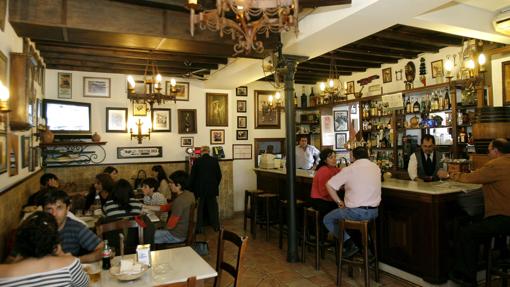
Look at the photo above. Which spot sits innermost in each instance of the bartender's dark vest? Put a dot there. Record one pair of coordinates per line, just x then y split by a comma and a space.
423, 169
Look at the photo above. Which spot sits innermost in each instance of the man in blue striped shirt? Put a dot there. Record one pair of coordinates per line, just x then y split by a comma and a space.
75, 238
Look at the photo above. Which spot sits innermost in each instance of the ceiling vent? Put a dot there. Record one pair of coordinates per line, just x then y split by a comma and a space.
501, 22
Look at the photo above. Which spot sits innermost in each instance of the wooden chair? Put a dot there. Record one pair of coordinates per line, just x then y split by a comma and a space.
189, 283
190, 238
121, 226
234, 271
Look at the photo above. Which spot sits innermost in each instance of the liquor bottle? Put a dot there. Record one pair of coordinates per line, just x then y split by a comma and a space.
107, 252
304, 100
435, 102
441, 102
447, 101
313, 100
408, 105
416, 107
462, 135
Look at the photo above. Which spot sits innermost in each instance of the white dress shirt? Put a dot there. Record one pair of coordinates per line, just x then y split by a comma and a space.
305, 158
412, 167
362, 180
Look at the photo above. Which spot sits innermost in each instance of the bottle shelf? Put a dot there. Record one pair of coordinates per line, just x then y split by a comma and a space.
376, 117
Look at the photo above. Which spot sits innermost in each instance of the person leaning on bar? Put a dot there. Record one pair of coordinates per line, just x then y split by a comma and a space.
425, 163
307, 156
495, 181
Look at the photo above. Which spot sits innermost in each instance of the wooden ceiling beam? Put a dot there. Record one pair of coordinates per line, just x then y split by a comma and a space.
363, 59
370, 52
396, 45
113, 70
77, 64
343, 64
326, 69
417, 38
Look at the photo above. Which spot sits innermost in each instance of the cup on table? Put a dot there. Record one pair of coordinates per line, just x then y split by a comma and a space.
94, 272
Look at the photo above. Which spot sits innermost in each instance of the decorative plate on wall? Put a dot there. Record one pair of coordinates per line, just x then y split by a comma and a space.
410, 69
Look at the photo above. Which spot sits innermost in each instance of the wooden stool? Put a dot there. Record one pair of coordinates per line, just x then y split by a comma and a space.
265, 200
282, 227
366, 238
498, 266
249, 210
314, 239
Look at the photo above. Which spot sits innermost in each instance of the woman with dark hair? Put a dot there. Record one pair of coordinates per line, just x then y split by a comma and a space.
112, 171
41, 261
102, 187
159, 173
121, 201
320, 199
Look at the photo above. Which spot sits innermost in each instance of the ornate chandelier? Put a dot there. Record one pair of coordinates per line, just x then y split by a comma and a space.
150, 93
331, 90
244, 19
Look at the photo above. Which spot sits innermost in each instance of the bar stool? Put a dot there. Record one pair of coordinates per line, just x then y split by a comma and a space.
314, 238
249, 210
498, 263
267, 202
367, 239
282, 216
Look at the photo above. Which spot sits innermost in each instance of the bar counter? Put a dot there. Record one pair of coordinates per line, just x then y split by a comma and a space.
417, 223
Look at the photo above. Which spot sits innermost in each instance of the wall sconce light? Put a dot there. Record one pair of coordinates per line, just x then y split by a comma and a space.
139, 136
448, 67
4, 98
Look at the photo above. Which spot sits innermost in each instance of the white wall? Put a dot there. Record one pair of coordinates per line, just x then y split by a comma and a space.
497, 81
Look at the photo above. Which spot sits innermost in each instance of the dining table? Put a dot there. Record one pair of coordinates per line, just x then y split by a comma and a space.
167, 266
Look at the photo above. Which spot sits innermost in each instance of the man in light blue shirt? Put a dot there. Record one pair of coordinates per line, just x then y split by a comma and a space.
307, 156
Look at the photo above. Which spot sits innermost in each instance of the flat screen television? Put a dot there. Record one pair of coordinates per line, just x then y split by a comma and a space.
65, 117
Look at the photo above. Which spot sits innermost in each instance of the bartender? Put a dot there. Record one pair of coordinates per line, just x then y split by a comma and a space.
425, 164
307, 156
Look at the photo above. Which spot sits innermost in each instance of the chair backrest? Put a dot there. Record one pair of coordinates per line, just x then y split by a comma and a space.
121, 227
190, 238
234, 271
189, 283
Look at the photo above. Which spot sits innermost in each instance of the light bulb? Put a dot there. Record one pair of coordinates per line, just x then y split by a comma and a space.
158, 78
448, 65
192, 2
131, 81
482, 59
172, 82
470, 64
277, 96
331, 83
270, 99
322, 86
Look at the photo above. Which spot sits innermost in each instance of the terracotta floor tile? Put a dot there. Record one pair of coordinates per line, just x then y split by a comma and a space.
302, 283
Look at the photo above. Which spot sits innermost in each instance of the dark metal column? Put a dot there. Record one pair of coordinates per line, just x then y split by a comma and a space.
290, 133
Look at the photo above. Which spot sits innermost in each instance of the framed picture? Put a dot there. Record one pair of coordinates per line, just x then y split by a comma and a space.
437, 68
340, 140
187, 121
65, 84
217, 136
265, 118
3, 153
116, 120
161, 120
354, 109
242, 151
350, 87
386, 75
505, 80
242, 122
96, 87
341, 119
25, 151
242, 135
139, 152
181, 90
13, 153
139, 109
398, 75
216, 110
242, 91
241, 106
186, 141
3, 13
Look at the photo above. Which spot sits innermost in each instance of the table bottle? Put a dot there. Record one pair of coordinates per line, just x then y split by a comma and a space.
107, 252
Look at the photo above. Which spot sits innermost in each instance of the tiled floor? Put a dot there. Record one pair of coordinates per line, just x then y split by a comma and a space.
265, 264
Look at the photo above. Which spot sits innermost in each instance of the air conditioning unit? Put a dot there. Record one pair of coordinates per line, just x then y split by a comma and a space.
501, 22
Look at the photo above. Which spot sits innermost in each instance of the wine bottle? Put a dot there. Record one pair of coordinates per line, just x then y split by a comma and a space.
304, 100
416, 106
313, 100
441, 102
435, 102
447, 101
408, 105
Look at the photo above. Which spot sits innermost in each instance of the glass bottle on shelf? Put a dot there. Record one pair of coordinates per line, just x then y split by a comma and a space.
313, 100
441, 101
462, 135
304, 100
435, 102
408, 105
416, 107
446, 101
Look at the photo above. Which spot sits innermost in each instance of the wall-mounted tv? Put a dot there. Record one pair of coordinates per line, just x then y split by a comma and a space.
65, 117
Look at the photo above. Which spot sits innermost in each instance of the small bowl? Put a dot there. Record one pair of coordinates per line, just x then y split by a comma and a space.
115, 272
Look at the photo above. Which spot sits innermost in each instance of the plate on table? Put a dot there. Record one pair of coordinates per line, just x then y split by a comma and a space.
115, 272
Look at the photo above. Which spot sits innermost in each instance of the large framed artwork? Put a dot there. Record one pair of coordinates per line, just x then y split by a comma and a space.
340, 140
506, 82
187, 121
341, 120
161, 120
216, 110
65, 85
116, 120
265, 118
181, 90
96, 87
25, 151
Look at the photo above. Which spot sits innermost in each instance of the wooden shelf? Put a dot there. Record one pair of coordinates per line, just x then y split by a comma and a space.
70, 143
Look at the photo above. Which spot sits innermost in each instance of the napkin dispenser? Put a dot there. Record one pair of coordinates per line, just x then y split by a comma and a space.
267, 161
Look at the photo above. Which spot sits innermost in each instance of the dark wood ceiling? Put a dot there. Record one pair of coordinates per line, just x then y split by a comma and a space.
121, 35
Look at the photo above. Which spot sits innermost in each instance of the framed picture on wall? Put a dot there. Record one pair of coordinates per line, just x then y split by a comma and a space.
25, 151
386, 75
350, 88
186, 141
3, 153
242, 135
340, 140
265, 117
139, 109
341, 118
216, 114
437, 68
116, 120
242, 122
242, 91
217, 136
505, 80
187, 121
65, 84
181, 90
161, 120
241, 106
96, 87
13, 153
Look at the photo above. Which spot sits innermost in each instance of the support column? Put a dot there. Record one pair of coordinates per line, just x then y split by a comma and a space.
290, 134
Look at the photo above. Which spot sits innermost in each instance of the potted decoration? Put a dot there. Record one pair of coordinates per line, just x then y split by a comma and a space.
423, 71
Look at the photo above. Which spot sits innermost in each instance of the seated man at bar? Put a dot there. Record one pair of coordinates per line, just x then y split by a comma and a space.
307, 156
425, 163
362, 183
75, 238
495, 181
46, 181
176, 228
